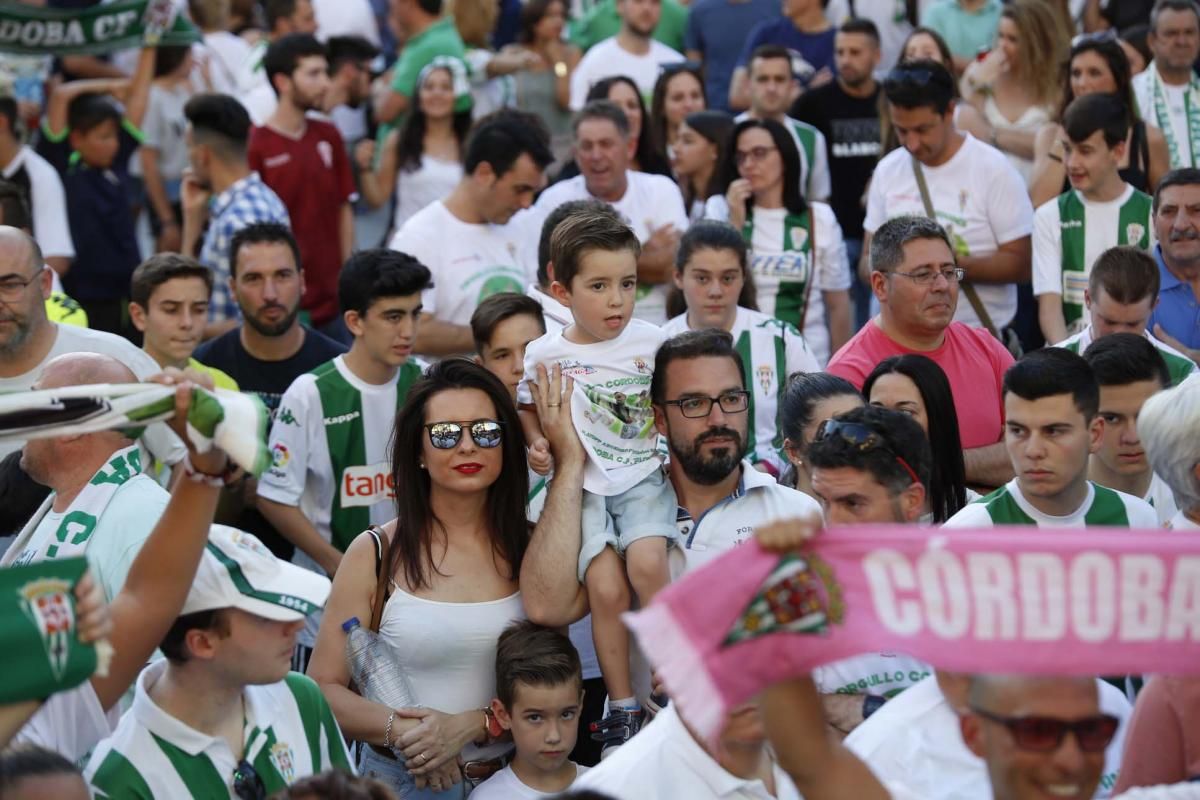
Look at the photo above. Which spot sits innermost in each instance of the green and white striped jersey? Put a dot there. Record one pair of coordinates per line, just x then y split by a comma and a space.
1179, 365
771, 350
815, 181
1103, 506
290, 733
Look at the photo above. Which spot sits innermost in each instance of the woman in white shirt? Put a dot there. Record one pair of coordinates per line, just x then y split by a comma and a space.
798, 257
421, 161
700, 143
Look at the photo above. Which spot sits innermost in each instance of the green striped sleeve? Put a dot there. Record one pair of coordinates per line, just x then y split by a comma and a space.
117, 777
318, 718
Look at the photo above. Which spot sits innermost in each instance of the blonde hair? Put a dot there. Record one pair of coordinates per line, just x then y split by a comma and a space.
474, 19
1042, 46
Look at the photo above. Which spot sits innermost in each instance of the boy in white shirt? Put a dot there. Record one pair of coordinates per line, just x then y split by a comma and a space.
629, 507
539, 693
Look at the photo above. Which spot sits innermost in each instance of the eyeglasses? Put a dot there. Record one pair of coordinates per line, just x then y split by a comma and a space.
919, 75
755, 154
247, 784
924, 277
445, 435
1106, 35
700, 406
862, 438
12, 288
1046, 734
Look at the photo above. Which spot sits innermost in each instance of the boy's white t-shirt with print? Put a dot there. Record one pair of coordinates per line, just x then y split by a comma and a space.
978, 197
611, 405
505, 785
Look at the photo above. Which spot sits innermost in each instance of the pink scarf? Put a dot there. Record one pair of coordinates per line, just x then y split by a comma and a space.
1001, 600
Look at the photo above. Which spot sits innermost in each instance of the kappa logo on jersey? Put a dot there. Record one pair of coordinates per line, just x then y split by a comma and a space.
766, 376
283, 759
340, 418
1134, 232
280, 455
47, 605
286, 417
367, 485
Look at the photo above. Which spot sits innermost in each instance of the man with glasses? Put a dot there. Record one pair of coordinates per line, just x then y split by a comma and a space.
1168, 90
968, 186
221, 715
1052, 426
330, 476
915, 278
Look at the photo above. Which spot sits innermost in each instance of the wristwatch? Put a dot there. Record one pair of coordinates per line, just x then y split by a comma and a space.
871, 704
560, 69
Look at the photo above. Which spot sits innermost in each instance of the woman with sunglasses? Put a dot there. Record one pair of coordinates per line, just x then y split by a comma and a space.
714, 289
798, 258
679, 91
915, 385
453, 553
809, 399
1098, 64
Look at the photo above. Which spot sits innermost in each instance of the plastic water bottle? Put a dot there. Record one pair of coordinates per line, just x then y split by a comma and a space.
376, 672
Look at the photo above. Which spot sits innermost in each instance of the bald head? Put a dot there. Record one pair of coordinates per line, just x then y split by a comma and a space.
82, 369
1013, 692
19, 250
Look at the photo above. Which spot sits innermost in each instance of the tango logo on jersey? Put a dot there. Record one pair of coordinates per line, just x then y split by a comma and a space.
367, 485
47, 605
766, 375
284, 761
280, 455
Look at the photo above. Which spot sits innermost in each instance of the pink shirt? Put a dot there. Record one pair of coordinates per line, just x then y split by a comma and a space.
1162, 744
974, 363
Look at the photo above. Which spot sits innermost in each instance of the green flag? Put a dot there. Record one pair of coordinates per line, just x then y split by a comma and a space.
122, 25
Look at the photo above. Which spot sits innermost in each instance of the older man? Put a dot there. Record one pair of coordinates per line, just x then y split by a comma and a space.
1168, 88
1169, 426
915, 277
1176, 318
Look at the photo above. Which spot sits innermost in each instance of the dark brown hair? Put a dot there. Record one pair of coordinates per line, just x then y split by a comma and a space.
536, 656
1126, 274
499, 307
160, 268
584, 231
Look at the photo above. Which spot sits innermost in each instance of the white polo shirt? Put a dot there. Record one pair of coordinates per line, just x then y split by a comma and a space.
914, 739
70, 723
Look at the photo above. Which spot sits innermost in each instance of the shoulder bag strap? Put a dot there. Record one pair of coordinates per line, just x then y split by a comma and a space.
382, 579
968, 289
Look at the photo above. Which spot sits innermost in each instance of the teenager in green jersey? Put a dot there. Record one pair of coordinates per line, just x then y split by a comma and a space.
221, 715
1130, 371
1052, 426
1122, 293
330, 478
1100, 211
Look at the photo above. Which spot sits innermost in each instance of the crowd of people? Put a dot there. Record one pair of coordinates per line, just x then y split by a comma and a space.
551, 303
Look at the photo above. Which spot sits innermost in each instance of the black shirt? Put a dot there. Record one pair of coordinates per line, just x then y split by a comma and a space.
851, 129
269, 380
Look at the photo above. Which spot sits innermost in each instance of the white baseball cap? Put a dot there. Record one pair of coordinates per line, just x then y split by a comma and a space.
238, 571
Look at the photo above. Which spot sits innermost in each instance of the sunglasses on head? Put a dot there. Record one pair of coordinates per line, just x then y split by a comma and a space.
918, 75
247, 784
861, 437
445, 435
1046, 734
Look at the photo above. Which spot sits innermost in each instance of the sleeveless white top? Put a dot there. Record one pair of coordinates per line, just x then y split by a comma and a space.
448, 651
1034, 118
433, 180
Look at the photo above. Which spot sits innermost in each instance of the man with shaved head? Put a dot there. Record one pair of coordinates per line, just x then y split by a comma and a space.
101, 503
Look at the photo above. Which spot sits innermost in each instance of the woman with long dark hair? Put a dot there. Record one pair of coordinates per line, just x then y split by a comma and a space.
809, 399
700, 145
623, 92
798, 257
679, 91
422, 160
1098, 66
714, 289
915, 385
454, 551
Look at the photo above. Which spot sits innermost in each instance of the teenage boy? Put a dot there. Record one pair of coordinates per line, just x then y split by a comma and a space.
1122, 293
1100, 211
1051, 407
88, 139
330, 476
1130, 370
168, 304
503, 325
628, 505
221, 715
539, 694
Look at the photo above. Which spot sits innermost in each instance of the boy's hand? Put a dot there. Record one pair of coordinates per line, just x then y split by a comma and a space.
540, 459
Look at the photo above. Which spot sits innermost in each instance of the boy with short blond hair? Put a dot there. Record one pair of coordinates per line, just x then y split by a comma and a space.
629, 507
539, 694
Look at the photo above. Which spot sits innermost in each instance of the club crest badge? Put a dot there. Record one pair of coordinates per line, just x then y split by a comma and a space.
47, 603
801, 595
766, 375
799, 237
1134, 232
284, 761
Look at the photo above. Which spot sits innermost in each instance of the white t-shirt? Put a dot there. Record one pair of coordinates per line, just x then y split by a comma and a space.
70, 723
914, 739
226, 55
881, 674
1101, 232
434, 180
1160, 496
1102, 506
775, 268
1173, 96
346, 18
469, 262
649, 202
47, 201
505, 785
978, 196
607, 58
611, 405
771, 351
557, 315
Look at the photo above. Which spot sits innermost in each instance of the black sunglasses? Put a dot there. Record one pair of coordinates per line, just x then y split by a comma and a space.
919, 76
1046, 734
247, 784
445, 435
863, 438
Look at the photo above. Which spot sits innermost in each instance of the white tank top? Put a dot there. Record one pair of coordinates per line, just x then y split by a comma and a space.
433, 180
448, 651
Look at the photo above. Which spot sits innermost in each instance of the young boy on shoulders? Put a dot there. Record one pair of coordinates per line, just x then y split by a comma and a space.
539, 688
